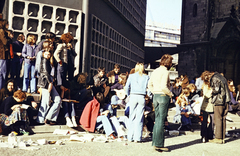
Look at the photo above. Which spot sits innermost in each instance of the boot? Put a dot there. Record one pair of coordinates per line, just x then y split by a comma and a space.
69, 122
74, 121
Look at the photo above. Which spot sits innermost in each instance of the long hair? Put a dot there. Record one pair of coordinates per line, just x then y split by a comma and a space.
66, 38
14, 85
100, 98
166, 61
177, 80
19, 94
3, 24
192, 86
139, 67
181, 98
47, 47
31, 39
82, 78
205, 76
20, 37
123, 76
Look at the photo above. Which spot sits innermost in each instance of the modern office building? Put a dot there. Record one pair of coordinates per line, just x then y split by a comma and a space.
105, 32
159, 40
161, 35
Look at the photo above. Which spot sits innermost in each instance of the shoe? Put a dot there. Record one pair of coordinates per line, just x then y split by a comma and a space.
162, 149
112, 136
69, 122
22, 131
180, 127
135, 141
188, 127
52, 123
217, 141
229, 119
83, 128
203, 140
74, 122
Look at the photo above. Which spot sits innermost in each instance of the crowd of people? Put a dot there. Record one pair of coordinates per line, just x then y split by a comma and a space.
48, 70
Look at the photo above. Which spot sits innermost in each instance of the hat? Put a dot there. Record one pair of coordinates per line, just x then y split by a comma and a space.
120, 93
114, 100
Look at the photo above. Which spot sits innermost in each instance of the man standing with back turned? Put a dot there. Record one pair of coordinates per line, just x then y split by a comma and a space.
159, 85
220, 98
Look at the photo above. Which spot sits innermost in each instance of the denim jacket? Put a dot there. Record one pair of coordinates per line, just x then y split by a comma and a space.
136, 84
28, 50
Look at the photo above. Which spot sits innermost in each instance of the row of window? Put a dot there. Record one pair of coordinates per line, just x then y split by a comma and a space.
45, 26
134, 11
158, 44
47, 12
109, 46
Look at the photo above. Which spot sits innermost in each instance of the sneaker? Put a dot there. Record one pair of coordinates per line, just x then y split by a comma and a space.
162, 149
180, 127
112, 136
203, 140
22, 131
135, 141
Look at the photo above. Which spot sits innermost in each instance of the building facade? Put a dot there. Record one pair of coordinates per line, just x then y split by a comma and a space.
161, 35
210, 35
105, 32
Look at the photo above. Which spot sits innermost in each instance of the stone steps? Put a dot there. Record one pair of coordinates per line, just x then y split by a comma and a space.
46, 132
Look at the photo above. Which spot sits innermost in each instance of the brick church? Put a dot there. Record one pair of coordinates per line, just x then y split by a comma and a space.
210, 37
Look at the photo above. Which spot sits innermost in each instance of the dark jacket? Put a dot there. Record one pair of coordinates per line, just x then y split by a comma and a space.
220, 91
176, 91
17, 48
45, 70
7, 104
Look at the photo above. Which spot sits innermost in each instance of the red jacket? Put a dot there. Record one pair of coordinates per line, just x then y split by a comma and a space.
89, 115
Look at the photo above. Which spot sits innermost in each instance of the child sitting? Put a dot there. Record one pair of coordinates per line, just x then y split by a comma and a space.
183, 110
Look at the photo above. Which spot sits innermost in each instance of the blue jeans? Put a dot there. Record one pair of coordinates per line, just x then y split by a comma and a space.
61, 74
27, 69
116, 122
3, 72
45, 111
68, 108
136, 110
106, 124
160, 102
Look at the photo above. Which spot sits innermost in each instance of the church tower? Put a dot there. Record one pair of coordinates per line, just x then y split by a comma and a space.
210, 33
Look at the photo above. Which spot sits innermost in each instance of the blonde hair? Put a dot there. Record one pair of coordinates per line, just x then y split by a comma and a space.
181, 98
192, 86
31, 39
139, 68
123, 76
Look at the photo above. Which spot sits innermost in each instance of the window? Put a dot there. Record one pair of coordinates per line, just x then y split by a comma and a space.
195, 10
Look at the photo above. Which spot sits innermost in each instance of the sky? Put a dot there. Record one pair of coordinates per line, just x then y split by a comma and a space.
164, 11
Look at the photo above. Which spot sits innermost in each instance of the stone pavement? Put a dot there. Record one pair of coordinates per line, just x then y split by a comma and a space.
186, 143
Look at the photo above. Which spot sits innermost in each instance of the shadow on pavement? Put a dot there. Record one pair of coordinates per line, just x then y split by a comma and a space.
186, 144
